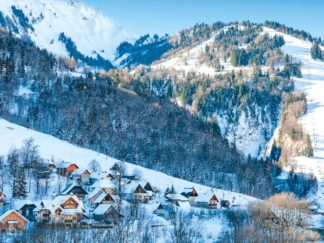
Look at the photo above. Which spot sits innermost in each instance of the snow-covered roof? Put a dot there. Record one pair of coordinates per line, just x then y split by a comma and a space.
56, 203
103, 183
167, 207
63, 165
12, 211
79, 171
95, 192
204, 197
69, 187
131, 187
18, 203
176, 197
101, 197
104, 208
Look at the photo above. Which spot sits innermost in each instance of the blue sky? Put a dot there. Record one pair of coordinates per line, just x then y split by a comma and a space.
168, 16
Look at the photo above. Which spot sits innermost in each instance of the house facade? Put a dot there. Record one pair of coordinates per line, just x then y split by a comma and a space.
166, 211
66, 169
107, 214
12, 221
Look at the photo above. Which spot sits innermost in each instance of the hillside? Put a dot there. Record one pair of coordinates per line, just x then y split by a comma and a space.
312, 83
53, 150
95, 112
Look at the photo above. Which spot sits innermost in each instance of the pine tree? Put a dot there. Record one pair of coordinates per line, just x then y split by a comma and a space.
316, 52
19, 186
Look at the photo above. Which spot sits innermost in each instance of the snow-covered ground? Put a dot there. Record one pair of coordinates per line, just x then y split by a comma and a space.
50, 148
312, 84
92, 32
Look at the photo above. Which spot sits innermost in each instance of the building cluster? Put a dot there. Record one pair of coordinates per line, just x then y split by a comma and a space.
95, 198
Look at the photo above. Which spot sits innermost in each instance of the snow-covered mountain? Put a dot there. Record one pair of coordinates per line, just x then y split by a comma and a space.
64, 27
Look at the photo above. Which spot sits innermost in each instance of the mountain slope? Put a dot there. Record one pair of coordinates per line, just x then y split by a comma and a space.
94, 112
312, 83
92, 34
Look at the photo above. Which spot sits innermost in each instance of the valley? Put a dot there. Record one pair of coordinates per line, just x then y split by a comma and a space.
210, 134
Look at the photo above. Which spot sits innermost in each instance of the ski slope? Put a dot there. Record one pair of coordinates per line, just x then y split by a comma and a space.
312, 84
12, 136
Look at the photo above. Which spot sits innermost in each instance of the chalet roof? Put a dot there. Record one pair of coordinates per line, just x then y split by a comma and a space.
187, 192
176, 197
102, 196
95, 192
70, 186
168, 207
204, 197
146, 185
106, 209
2, 217
99, 175
80, 172
103, 183
19, 204
56, 203
131, 187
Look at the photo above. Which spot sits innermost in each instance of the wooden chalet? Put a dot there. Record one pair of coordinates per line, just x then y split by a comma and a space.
63, 210
166, 211
149, 189
66, 169
176, 199
105, 184
81, 175
12, 221
191, 194
107, 213
135, 192
208, 200
26, 209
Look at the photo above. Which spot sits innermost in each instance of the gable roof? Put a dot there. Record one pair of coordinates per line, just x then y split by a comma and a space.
106, 209
80, 172
176, 197
56, 203
70, 187
133, 187
190, 192
102, 196
206, 197
167, 207
103, 183
19, 204
2, 217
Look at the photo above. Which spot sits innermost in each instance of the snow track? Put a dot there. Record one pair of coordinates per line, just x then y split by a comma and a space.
312, 84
